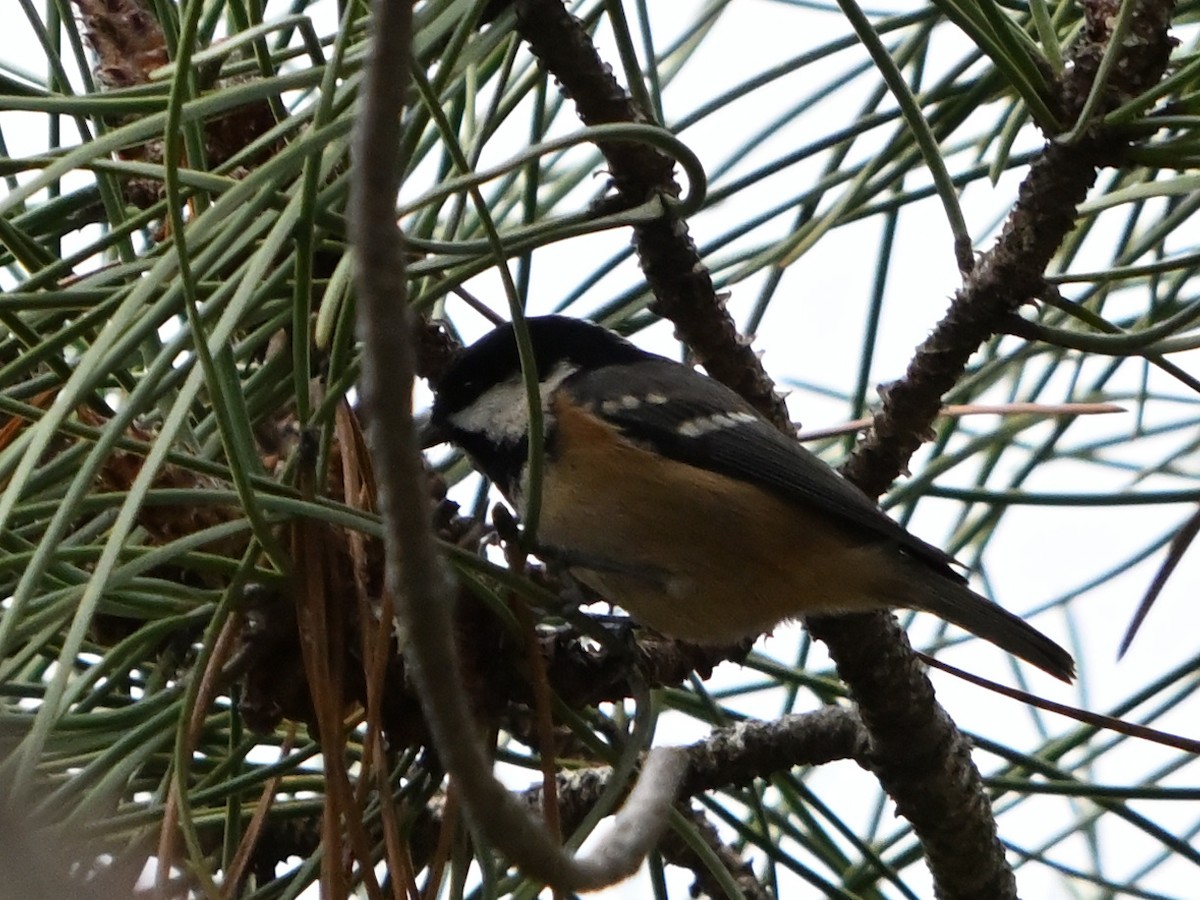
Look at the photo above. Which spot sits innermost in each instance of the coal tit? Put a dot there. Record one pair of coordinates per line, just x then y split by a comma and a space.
671, 496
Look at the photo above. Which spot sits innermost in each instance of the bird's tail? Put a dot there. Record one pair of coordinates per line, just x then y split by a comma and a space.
953, 601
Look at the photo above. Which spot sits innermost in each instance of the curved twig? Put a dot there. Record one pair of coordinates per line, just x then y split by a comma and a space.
416, 575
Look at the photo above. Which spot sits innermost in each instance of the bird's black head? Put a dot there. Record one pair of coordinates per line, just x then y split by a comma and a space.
481, 403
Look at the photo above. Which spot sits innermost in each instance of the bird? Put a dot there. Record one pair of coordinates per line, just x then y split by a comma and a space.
668, 494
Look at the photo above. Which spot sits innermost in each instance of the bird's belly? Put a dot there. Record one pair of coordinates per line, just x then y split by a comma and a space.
708, 597
696, 555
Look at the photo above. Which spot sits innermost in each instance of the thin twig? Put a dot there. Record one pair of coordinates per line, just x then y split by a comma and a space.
679, 279
958, 411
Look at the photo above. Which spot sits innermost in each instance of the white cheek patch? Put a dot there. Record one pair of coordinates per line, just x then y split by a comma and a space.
502, 413
702, 425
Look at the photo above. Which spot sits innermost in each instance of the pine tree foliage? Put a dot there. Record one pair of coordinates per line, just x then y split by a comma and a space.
959, 239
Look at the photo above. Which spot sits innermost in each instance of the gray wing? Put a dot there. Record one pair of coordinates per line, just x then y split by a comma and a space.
685, 416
